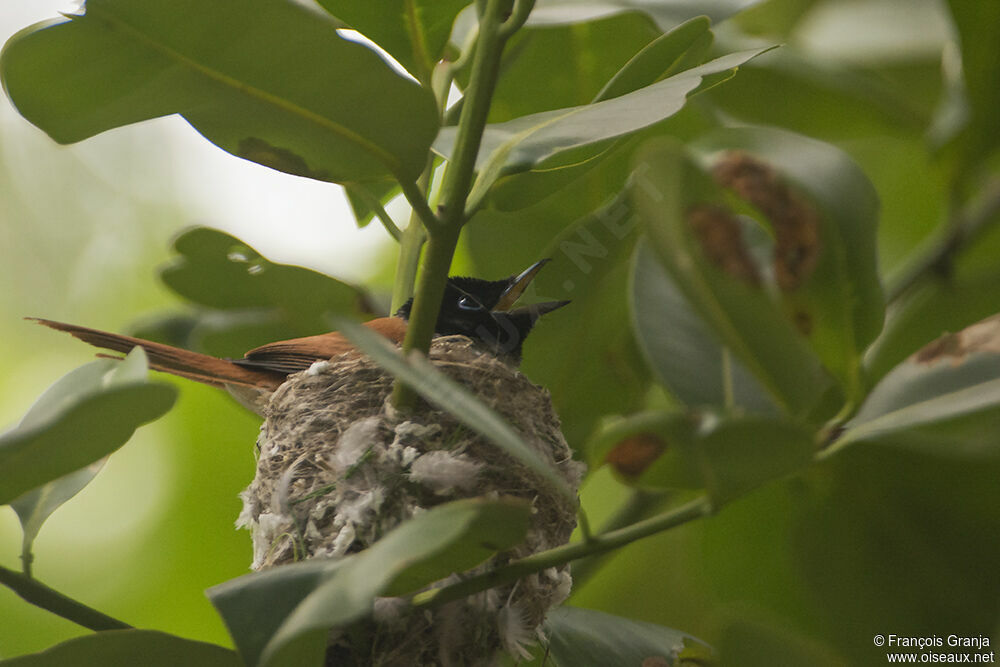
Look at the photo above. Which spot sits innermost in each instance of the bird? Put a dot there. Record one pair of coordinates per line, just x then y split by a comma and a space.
480, 309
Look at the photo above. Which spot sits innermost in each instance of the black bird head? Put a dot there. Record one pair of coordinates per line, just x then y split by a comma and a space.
482, 310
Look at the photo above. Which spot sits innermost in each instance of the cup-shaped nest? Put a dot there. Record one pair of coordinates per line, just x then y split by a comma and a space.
338, 468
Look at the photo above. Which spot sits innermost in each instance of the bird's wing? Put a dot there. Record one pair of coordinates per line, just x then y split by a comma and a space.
298, 354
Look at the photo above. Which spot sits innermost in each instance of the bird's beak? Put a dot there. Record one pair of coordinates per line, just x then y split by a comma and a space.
518, 285
536, 310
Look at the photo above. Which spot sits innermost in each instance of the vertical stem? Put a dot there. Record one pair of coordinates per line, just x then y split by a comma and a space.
443, 237
475, 110
410, 246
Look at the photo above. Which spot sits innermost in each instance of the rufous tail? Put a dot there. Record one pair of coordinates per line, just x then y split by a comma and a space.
174, 360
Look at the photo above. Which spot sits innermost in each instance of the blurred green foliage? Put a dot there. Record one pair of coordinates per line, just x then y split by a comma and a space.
894, 529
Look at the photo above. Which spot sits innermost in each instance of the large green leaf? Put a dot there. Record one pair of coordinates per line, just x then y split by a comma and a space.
755, 644
682, 351
876, 519
35, 506
267, 80
586, 354
944, 400
447, 394
85, 416
588, 229
924, 313
738, 311
255, 605
535, 62
981, 69
681, 48
730, 456
585, 638
667, 13
220, 271
825, 99
148, 648
838, 303
447, 539
528, 141
414, 32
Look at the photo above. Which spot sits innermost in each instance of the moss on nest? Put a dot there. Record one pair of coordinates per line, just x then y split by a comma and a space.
338, 468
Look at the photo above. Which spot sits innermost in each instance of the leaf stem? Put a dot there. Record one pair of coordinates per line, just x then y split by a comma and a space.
966, 226
695, 509
387, 222
410, 245
40, 595
418, 202
636, 506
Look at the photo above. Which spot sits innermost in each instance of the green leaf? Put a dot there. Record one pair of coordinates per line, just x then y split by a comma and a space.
740, 313
148, 648
732, 455
751, 643
682, 351
612, 431
528, 141
585, 638
446, 394
666, 13
839, 301
446, 539
872, 521
362, 195
343, 115
602, 372
535, 62
414, 32
924, 313
255, 605
588, 229
678, 50
220, 271
36, 506
981, 70
826, 99
87, 415
683, 47
944, 400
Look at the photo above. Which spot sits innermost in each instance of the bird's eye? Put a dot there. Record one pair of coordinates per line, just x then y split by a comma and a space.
468, 303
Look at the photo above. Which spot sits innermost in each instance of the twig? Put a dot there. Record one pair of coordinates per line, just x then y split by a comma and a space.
690, 511
40, 595
380, 212
636, 507
966, 226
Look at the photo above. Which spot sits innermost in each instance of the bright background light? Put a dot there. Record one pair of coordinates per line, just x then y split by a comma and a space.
287, 218
83, 230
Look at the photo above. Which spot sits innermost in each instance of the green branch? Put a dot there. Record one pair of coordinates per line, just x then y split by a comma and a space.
965, 227
418, 203
636, 507
40, 595
444, 230
696, 509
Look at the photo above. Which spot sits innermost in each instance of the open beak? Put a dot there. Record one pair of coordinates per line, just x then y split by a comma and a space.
517, 287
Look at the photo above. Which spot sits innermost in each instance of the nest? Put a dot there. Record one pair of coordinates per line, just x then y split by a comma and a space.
338, 468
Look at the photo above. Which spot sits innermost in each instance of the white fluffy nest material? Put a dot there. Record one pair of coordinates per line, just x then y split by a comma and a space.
338, 469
